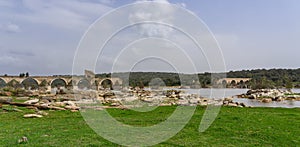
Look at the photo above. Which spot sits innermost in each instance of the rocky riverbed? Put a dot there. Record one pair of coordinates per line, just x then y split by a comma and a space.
74, 100
269, 95
77, 99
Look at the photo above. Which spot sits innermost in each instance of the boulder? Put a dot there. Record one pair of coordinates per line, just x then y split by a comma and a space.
242, 104
203, 103
56, 108
249, 92
165, 104
266, 100
5, 93
114, 104
33, 101
59, 104
22, 98
44, 101
204, 99
5, 99
229, 99
69, 103
23, 140
72, 107
225, 102
183, 102
32, 116
193, 101
292, 97
173, 96
44, 105
252, 96
74, 110
278, 99
232, 105
42, 113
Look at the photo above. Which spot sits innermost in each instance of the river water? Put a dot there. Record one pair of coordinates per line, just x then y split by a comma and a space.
221, 93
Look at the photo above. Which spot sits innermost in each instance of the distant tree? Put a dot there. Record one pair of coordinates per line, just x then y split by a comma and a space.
272, 78
27, 74
288, 82
264, 83
141, 85
253, 84
21, 75
289, 85
279, 83
247, 84
5, 75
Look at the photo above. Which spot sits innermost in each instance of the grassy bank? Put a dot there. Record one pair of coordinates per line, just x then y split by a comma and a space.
233, 127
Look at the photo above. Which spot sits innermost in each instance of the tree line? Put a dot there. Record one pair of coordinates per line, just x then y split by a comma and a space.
260, 78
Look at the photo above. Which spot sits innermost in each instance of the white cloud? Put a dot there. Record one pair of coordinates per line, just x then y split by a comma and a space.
63, 14
10, 27
48, 33
157, 13
107, 2
5, 59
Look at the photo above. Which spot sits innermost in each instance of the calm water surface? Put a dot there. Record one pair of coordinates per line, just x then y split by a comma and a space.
221, 93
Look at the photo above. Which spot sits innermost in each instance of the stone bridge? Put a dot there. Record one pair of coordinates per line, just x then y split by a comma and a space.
48, 82
235, 80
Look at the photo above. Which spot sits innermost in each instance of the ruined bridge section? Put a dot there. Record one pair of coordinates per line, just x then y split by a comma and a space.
234, 80
81, 82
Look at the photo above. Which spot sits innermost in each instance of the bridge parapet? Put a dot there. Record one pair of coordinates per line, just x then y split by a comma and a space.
68, 80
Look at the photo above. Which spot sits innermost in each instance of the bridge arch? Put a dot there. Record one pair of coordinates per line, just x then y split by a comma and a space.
236, 80
233, 82
30, 83
58, 82
84, 84
224, 82
106, 83
2, 83
14, 83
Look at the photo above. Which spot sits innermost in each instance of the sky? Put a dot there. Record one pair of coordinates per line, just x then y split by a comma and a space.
41, 36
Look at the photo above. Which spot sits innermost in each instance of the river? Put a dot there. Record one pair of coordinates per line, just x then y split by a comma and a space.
221, 93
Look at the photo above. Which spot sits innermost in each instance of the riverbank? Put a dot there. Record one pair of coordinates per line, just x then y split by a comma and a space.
232, 127
74, 99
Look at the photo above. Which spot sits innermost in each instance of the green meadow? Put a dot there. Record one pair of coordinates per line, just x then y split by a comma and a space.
232, 127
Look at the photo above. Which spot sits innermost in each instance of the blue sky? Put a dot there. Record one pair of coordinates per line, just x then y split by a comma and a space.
41, 36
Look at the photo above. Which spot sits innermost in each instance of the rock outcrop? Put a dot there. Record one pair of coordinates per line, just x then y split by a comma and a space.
273, 94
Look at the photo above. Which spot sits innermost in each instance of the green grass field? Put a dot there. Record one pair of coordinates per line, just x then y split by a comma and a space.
233, 127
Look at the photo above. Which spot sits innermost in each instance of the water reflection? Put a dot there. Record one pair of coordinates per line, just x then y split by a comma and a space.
255, 103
